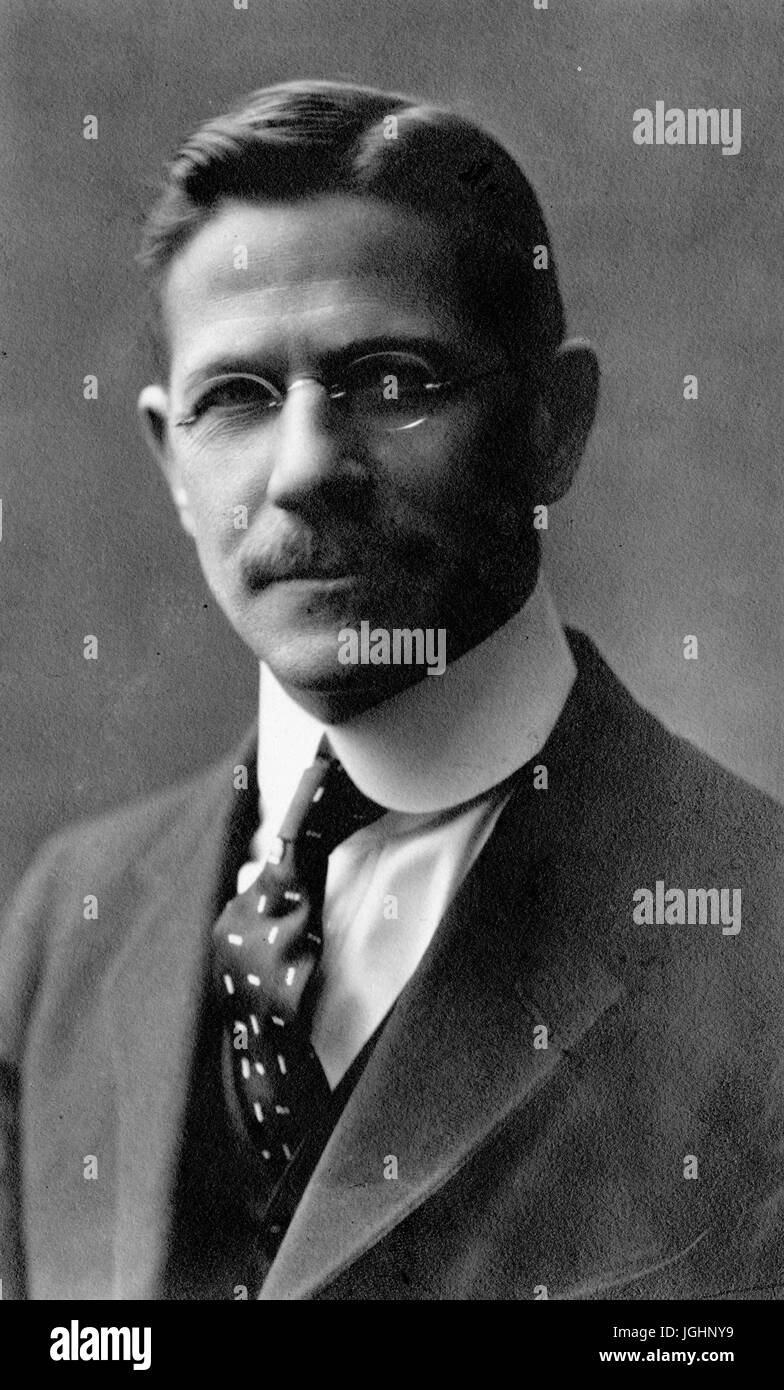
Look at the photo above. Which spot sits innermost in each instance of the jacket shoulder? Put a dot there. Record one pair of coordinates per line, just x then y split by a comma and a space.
127, 833
119, 857
653, 776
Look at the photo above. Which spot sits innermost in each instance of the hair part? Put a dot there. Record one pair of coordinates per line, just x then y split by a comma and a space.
300, 139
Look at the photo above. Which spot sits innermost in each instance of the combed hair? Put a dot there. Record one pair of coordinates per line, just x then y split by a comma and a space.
299, 139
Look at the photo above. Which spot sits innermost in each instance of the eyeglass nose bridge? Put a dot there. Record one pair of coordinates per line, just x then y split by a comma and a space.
333, 392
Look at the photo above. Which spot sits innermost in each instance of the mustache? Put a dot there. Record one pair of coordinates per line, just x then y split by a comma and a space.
300, 553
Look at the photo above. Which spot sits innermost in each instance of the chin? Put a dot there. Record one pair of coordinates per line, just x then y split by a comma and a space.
332, 691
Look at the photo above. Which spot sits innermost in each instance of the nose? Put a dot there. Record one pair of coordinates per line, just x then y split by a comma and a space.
314, 455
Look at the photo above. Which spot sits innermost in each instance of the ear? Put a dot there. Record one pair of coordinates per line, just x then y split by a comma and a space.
153, 409
563, 417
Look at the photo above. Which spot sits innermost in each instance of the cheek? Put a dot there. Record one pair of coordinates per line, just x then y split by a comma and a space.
466, 478
221, 508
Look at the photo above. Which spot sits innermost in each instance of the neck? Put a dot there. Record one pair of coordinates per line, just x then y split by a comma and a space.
372, 685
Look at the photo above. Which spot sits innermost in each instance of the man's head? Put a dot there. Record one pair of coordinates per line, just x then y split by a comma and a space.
364, 386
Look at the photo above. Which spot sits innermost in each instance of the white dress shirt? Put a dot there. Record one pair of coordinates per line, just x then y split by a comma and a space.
435, 754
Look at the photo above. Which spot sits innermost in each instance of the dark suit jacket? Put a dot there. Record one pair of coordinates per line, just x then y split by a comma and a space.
522, 1171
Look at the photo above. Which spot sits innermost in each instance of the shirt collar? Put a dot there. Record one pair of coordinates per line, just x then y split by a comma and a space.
443, 741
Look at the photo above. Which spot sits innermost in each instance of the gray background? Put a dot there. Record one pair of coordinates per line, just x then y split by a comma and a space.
669, 260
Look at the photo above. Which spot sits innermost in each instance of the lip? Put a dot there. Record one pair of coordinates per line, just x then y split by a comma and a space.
328, 581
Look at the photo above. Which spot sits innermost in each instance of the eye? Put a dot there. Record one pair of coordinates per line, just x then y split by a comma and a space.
237, 395
388, 385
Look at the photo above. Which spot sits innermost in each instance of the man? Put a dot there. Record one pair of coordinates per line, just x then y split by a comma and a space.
486, 1001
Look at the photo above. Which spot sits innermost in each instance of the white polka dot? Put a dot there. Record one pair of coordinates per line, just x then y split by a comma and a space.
229, 983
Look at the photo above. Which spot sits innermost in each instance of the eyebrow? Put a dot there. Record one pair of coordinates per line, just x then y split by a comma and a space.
427, 345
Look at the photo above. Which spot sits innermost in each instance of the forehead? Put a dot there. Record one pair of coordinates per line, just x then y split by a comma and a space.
315, 275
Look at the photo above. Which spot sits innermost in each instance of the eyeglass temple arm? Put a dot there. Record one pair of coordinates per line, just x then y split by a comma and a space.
497, 371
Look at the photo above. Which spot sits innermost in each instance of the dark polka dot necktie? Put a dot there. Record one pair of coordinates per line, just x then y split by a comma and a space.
266, 950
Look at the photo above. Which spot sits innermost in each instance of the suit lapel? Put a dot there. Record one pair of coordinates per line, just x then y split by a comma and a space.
151, 1008
457, 1055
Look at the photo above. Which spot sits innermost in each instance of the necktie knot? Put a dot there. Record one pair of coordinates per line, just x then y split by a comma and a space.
327, 807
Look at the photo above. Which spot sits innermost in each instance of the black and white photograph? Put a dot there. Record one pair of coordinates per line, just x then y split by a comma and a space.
392, 777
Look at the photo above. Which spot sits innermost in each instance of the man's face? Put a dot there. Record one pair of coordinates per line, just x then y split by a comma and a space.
312, 517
